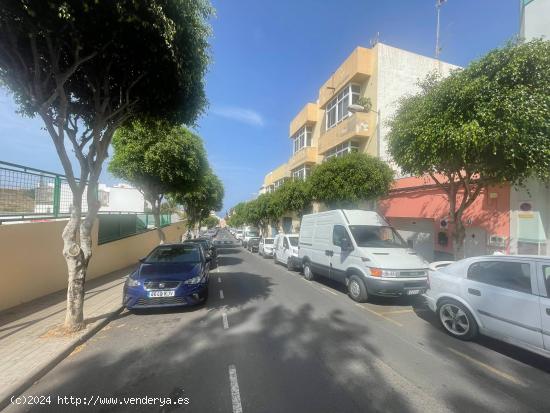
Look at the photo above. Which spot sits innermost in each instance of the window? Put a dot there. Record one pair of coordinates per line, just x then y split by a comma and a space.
338, 234
337, 107
285, 243
510, 275
302, 138
377, 236
301, 173
103, 197
174, 253
342, 149
293, 241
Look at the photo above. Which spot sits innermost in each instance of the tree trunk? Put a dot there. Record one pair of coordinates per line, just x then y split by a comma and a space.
458, 237
156, 214
76, 267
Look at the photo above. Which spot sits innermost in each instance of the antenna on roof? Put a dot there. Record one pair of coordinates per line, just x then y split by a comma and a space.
374, 42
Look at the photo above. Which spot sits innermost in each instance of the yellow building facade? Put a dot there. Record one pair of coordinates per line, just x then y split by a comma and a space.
327, 127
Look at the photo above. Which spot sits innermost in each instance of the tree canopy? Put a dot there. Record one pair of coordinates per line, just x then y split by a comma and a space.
206, 197
347, 180
484, 125
293, 195
86, 67
158, 158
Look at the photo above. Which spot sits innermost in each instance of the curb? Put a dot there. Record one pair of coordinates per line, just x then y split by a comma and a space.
28, 381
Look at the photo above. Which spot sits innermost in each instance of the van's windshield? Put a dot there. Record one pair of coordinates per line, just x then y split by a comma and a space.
377, 236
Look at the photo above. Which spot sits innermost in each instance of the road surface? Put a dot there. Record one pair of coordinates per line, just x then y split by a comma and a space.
269, 341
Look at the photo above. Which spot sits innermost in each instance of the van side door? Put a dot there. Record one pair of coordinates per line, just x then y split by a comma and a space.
285, 253
339, 257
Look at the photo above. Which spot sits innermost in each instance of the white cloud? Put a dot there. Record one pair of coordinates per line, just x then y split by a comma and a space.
239, 114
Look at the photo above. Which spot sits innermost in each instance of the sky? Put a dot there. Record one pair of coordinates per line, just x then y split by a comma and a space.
269, 58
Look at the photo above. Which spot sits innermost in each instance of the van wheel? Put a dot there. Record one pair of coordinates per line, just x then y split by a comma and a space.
308, 274
357, 290
457, 320
289, 265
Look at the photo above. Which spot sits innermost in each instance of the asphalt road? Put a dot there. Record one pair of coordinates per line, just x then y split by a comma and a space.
269, 341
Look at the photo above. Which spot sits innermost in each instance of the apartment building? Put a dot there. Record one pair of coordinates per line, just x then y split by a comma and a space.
327, 128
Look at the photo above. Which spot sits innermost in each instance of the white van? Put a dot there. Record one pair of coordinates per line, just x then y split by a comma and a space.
361, 250
285, 250
249, 232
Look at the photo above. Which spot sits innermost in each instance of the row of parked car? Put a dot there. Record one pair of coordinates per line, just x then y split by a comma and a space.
506, 297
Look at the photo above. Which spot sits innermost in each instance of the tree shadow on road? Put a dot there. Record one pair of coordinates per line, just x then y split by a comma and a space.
287, 361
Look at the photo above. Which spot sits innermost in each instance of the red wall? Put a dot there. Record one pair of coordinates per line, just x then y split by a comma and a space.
418, 198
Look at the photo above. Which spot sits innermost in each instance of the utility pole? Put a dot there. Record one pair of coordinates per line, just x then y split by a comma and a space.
438, 4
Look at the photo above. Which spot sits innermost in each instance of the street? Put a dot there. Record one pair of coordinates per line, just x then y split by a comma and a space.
267, 340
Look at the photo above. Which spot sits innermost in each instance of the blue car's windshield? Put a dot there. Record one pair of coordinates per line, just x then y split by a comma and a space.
174, 253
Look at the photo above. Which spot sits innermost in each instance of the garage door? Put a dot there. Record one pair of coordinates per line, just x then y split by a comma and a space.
419, 233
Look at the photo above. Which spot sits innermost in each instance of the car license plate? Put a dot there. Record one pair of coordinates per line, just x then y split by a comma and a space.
413, 292
161, 294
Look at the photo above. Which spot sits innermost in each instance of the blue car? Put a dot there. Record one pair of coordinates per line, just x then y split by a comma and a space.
171, 275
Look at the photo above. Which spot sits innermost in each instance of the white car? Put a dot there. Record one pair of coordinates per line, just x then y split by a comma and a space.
266, 247
505, 297
239, 234
285, 250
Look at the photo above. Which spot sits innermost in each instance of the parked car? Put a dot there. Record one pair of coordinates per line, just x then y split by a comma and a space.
253, 243
239, 234
285, 250
361, 250
505, 297
249, 232
265, 248
171, 275
209, 249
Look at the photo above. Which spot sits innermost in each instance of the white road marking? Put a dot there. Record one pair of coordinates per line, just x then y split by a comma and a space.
221, 294
235, 394
219, 279
225, 322
326, 289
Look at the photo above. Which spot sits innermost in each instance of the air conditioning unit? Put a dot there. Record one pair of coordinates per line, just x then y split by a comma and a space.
497, 241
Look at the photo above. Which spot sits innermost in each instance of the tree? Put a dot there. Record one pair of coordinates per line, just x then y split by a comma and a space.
211, 221
293, 195
207, 197
345, 181
484, 125
158, 158
86, 67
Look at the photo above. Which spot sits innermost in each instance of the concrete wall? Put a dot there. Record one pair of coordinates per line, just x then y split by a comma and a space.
398, 72
536, 19
33, 265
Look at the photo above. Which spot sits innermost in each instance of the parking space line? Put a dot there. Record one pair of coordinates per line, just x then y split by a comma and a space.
327, 290
408, 310
235, 394
224, 321
221, 294
379, 315
487, 367
219, 279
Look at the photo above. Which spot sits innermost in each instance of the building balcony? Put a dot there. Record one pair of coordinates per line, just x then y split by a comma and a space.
307, 116
359, 125
304, 155
278, 173
357, 68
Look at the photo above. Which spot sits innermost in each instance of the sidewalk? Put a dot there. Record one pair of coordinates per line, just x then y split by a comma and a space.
29, 342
